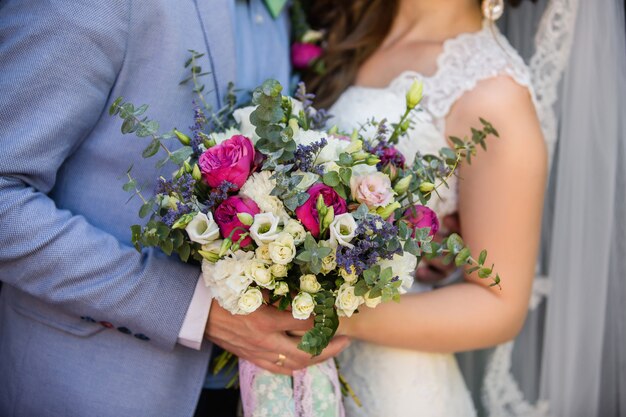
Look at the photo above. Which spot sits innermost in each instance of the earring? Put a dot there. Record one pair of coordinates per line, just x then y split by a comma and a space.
493, 9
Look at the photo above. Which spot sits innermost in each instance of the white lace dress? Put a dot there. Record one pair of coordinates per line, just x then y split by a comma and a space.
397, 382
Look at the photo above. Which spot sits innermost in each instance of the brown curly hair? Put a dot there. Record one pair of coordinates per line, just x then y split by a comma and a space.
354, 30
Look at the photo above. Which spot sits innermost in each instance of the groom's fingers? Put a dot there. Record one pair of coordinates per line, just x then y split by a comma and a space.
284, 321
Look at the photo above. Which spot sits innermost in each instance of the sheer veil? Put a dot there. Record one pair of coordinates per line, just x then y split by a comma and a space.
569, 359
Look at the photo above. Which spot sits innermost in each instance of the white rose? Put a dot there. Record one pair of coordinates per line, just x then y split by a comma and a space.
259, 272
347, 302
264, 229
258, 188
332, 150
227, 279
281, 288
329, 263
308, 179
403, 266
302, 306
283, 249
279, 271
222, 136
242, 117
263, 253
203, 229
343, 230
307, 137
349, 276
308, 283
372, 302
296, 230
250, 301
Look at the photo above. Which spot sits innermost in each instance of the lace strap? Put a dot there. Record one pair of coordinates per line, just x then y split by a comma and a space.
467, 60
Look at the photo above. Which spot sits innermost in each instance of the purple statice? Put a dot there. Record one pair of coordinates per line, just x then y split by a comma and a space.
182, 187
219, 194
317, 118
172, 215
305, 155
199, 123
372, 234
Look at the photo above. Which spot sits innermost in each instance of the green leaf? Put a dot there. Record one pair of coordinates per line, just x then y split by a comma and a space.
331, 179
151, 149
304, 256
146, 208
462, 257
180, 155
184, 252
114, 109
167, 246
345, 174
345, 160
361, 288
484, 272
482, 257
412, 247
455, 243
128, 125
130, 186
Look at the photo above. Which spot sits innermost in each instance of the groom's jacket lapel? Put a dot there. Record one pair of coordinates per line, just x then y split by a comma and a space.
216, 21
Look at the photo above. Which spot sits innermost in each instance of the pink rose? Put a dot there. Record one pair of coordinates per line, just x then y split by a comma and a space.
226, 217
303, 54
231, 161
422, 217
372, 189
307, 213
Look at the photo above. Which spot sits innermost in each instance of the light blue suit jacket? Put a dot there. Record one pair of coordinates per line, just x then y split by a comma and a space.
88, 326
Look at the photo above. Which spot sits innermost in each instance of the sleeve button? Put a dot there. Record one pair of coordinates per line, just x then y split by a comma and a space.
124, 330
142, 336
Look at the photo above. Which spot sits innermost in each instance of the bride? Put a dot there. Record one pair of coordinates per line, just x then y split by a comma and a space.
402, 363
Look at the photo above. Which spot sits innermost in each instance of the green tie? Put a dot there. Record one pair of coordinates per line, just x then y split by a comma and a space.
275, 6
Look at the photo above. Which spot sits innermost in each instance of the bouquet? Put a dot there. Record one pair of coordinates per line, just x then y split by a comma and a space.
280, 210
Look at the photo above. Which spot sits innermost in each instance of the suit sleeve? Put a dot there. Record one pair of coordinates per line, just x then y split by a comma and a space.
58, 63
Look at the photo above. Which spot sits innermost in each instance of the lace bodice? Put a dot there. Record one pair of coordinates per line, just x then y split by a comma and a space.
394, 381
464, 61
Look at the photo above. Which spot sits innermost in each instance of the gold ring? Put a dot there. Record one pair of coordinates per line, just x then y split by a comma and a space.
281, 360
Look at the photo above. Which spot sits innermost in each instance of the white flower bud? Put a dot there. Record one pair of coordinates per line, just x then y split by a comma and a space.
308, 283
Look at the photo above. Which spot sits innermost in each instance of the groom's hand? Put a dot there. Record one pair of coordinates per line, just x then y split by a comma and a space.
261, 338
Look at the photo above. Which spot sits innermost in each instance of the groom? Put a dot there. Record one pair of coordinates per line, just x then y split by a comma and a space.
88, 326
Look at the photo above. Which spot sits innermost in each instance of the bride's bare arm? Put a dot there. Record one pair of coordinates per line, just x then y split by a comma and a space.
500, 205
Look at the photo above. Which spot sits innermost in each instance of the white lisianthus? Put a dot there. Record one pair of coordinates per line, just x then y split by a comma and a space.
259, 272
308, 283
302, 306
222, 136
349, 276
308, 179
347, 302
258, 188
264, 229
372, 302
281, 288
342, 230
296, 230
283, 249
403, 266
279, 271
307, 137
250, 301
227, 279
263, 253
203, 229
242, 117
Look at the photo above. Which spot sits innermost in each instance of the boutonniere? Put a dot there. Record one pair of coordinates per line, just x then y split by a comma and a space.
307, 47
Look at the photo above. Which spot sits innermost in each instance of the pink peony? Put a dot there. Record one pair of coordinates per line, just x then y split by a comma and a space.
422, 217
231, 161
374, 190
303, 54
307, 213
226, 217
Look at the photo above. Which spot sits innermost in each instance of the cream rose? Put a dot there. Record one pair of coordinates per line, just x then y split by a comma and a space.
308, 283
296, 230
259, 272
342, 230
347, 302
349, 276
264, 229
281, 288
250, 301
283, 249
302, 306
203, 229
329, 263
279, 271
263, 253
372, 302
